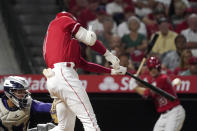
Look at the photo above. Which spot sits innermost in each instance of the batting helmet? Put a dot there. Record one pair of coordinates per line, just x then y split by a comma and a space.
64, 13
153, 62
13, 83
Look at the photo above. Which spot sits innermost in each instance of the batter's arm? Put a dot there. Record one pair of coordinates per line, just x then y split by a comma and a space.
138, 88
99, 47
92, 67
88, 37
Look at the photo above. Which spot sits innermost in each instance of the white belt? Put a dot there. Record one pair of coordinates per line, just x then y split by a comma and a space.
65, 64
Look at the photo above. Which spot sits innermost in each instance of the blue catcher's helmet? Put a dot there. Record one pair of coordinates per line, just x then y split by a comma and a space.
16, 83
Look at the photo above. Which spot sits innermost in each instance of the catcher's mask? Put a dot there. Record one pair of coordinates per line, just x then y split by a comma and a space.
16, 89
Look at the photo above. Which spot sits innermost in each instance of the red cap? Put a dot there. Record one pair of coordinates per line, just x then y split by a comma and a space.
192, 60
129, 9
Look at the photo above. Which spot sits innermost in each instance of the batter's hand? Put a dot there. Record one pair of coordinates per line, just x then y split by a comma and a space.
113, 59
121, 71
48, 73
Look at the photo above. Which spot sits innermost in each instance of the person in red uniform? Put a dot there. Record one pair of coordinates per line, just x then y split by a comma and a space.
172, 113
61, 51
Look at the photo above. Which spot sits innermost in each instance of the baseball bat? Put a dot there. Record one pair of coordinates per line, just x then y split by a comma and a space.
157, 90
150, 46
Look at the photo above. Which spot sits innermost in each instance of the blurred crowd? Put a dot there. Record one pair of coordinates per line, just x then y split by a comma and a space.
126, 27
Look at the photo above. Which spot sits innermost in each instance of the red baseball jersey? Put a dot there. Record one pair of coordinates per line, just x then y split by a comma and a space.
162, 104
61, 46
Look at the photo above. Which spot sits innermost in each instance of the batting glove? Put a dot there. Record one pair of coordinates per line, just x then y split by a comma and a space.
121, 71
113, 59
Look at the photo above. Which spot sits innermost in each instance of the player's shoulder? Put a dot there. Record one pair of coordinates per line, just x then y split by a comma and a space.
163, 77
64, 18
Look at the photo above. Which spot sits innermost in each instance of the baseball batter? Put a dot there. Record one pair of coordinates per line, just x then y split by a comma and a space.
61, 50
172, 113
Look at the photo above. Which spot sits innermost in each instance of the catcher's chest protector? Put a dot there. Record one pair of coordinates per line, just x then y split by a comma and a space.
16, 118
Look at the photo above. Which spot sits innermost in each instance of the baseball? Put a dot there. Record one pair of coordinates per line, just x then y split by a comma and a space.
176, 82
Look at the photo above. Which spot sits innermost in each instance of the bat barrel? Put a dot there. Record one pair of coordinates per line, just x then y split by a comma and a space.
151, 44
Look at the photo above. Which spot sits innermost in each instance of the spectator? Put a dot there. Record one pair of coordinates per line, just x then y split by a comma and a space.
184, 24
192, 70
191, 34
193, 3
143, 7
172, 59
185, 56
115, 6
116, 42
103, 3
135, 43
123, 27
115, 9
126, 62
116, 48
105, 37
88, 14
165, 41
75, 6
158, 12
168, 3
150, 20
179, 13
97, 24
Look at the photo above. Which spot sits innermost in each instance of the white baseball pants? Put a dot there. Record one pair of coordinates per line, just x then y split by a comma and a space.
66, 87
171, 120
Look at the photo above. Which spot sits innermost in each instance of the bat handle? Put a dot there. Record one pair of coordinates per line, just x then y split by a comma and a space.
140, 67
